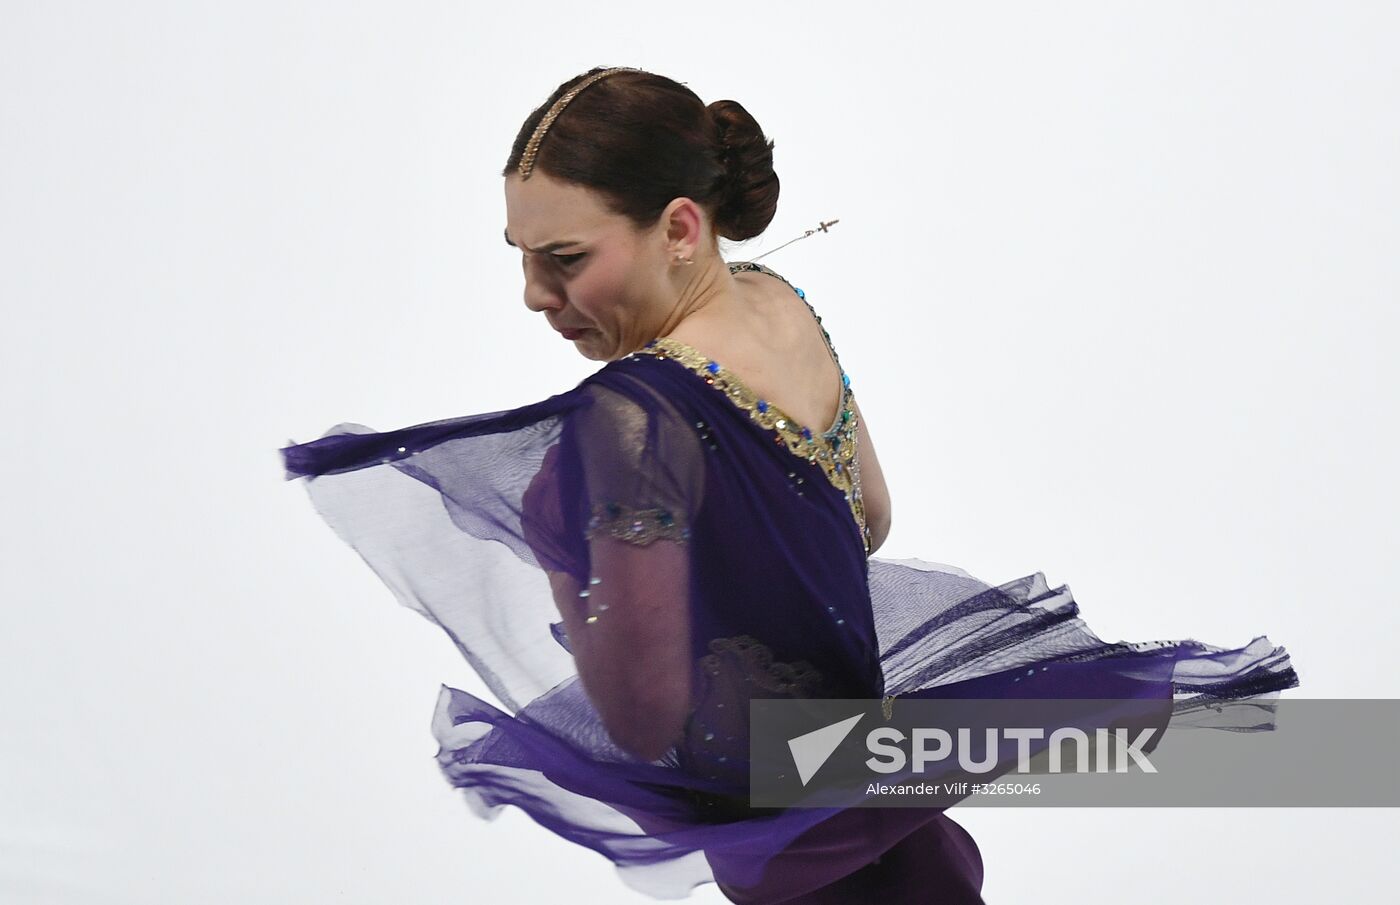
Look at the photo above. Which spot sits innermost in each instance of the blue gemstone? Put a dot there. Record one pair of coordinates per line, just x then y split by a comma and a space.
845, 379
712, 367
806, 433
762, 406
800, 293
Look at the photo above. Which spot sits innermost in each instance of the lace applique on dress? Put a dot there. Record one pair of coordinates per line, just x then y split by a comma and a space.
834, 450
737, 669
799, 678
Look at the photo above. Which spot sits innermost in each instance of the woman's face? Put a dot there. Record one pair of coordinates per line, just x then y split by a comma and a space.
594, 276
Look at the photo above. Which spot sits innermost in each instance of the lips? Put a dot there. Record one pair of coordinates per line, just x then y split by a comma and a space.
571, 334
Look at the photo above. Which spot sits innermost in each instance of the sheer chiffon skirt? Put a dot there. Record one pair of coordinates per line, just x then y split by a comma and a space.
949, 635
446, 541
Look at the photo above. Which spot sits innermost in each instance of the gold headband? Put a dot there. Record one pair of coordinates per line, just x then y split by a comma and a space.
532, 148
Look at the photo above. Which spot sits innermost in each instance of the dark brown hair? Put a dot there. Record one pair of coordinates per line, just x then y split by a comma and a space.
642, 140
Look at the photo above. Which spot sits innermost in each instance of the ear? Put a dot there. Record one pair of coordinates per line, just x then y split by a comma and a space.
686, 226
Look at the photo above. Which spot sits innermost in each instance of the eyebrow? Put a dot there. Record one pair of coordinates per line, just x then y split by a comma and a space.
553, 246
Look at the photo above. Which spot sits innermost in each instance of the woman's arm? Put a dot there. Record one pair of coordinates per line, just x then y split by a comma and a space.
607, 516
875, 495
634, 657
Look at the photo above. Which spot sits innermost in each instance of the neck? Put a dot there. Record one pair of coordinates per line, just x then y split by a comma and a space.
705, 286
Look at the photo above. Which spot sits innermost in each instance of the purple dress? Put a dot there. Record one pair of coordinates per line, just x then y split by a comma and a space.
661, 485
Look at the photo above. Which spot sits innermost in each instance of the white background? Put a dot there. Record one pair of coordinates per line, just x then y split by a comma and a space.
1115, 284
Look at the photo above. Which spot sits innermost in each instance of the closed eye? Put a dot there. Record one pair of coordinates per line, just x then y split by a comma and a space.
567, 260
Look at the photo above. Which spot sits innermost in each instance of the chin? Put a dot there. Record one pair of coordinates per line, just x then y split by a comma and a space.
590, 346
588, 351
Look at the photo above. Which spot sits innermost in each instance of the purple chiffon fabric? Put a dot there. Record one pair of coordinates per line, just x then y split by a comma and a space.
653, 488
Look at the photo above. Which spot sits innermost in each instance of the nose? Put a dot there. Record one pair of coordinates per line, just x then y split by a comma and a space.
540, 293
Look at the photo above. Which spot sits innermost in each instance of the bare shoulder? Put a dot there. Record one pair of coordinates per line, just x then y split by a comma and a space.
770, 338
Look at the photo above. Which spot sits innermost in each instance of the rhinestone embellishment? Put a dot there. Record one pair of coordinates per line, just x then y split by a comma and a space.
636, 526
834, 450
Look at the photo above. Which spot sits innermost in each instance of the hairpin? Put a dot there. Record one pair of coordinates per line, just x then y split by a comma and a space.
822, 227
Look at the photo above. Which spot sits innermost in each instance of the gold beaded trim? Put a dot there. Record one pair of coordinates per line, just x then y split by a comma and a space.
854, 494
636, 526
834, 450
797, 677
532, 147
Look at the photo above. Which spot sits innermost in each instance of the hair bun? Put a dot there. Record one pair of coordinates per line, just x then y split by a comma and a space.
750, 197
642, 140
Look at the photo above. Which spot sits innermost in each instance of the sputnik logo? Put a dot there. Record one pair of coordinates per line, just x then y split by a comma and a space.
812, 749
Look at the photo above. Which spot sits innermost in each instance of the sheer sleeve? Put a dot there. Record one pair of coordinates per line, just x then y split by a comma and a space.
609, 519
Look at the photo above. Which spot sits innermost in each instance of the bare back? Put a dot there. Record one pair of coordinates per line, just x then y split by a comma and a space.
776, 346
